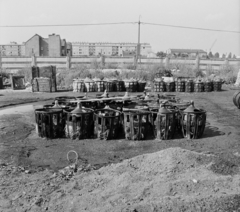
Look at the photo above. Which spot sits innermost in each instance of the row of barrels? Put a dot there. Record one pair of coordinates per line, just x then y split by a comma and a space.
109, 86
187, 86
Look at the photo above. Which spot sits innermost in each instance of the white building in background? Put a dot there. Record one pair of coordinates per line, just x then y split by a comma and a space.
109, 49
12, 49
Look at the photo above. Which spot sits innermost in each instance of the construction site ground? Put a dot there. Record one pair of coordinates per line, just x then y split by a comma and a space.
119, 175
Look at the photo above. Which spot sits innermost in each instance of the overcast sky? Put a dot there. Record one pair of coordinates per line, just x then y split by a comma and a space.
212, 14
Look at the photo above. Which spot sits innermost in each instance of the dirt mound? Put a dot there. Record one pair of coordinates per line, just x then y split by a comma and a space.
173, 179
160, 181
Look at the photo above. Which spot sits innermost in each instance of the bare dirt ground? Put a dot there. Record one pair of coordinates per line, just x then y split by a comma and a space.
151, 175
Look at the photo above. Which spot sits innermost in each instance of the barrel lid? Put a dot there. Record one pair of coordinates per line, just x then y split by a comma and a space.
190, 108
126, 95
163, 109
78, 109
96, 79
56, 105
87, 79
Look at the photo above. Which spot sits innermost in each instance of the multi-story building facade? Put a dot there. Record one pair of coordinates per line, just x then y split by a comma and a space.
52, 46
12, 49
109, 49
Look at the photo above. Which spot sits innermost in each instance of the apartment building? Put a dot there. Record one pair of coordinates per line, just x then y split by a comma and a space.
109, 49
52, 46
12, 49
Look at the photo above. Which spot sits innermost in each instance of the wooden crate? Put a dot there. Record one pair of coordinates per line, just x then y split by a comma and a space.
17, 82
46, 72
42, 85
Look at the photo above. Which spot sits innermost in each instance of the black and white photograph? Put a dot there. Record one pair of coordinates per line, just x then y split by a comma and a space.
119, 106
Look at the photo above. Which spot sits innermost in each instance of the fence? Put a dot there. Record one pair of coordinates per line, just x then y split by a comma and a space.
13, 63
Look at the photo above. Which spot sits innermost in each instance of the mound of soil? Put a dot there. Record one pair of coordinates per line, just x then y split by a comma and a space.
169, 180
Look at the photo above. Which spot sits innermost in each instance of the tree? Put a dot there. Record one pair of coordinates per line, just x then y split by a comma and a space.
161, 54
216, 55
229, 55
234, 56
223, 56
210, 55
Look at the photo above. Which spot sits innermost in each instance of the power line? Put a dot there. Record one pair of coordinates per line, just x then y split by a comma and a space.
119, 23
185, 27
68, 25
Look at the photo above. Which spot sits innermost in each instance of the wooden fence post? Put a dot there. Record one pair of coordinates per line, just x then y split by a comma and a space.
68, 63
166, 62
33, 62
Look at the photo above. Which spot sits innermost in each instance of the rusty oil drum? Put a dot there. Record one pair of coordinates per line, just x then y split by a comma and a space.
236, 99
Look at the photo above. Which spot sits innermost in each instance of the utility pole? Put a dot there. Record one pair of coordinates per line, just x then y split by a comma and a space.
138, 45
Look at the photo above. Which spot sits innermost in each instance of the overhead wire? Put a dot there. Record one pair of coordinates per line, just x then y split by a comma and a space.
67, 25
119, 23
186, 27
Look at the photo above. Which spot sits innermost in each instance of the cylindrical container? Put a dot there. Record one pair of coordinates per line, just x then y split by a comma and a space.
89, 84
99, 85
131, 85
107, 123
138, 124
159, 86
79, 123
49, 123
198, 86
170, 86
208, 86
180, 85
217, 85
141, 85
193, 122
164, 124
109, 85
1, 83
78, 85
120, 86
236, 99
189, 86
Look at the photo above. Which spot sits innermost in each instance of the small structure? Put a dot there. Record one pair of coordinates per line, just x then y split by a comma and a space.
164, 123
45, 72
79, 123
236, 99
138, 124
170, 86
131, 85
141, 85
78, 85
198, 86
108, 85
107, 123
208, 86
217, 85
89, 84
49, 122
180, 85
159, 85
189, 86
99, 85
42, 84
1, 83
17, 82
120, 86
193, 122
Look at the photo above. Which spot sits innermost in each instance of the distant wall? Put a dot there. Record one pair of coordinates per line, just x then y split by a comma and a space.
16, 62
